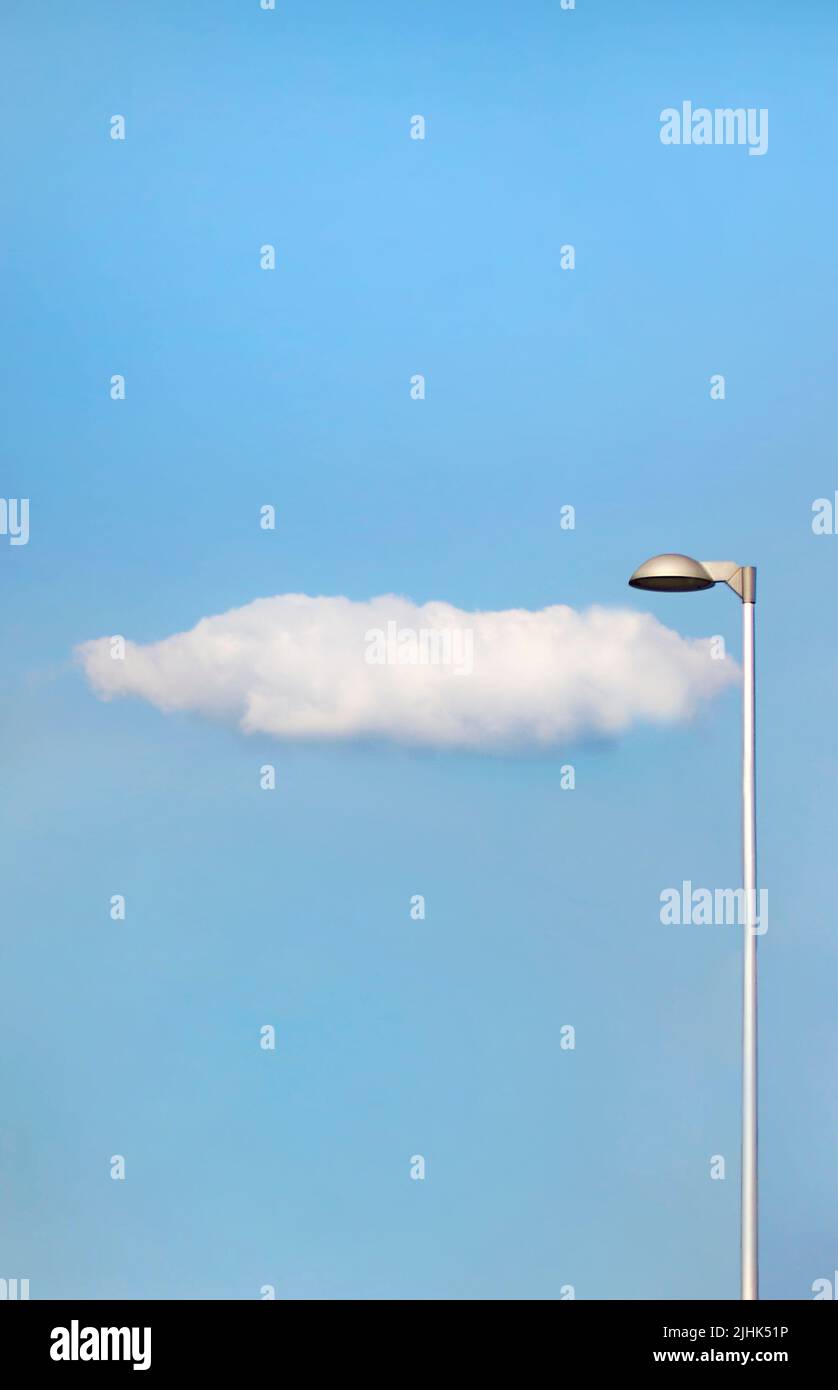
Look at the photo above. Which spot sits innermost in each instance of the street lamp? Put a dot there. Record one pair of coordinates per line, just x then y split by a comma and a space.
680, 574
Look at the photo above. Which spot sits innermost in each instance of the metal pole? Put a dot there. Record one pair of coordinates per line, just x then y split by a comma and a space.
750, 1284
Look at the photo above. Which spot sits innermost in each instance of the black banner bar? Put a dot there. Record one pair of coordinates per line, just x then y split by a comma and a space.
220, 1337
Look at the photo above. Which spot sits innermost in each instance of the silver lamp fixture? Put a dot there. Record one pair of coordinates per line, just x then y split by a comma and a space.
680, 574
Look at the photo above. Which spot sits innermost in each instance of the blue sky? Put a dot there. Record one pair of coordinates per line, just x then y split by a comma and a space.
544, 1167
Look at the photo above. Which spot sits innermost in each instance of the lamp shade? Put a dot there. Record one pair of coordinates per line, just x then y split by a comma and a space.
671, 574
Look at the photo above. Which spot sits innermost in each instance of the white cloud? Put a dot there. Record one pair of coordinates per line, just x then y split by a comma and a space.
299, 668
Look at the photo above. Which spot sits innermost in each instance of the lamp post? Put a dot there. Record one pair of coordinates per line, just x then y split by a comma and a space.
680, 574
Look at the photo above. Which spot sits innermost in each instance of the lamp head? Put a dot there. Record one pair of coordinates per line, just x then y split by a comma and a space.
672, 574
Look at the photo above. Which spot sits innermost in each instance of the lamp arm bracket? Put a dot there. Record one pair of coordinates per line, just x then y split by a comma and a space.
742, 579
